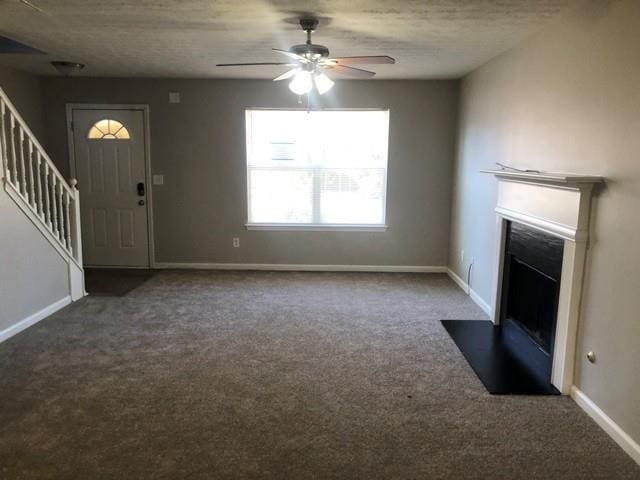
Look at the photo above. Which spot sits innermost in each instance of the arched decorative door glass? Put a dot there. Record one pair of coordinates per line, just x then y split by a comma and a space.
107, 129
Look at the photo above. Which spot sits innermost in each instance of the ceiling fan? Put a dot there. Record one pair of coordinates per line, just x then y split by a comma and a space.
309, 62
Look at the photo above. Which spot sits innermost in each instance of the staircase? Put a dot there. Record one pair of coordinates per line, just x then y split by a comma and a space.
34, 183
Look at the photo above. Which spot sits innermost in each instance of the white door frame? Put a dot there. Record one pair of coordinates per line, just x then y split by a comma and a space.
70, 107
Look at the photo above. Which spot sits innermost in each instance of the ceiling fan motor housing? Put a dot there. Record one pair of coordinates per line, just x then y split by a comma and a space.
309, 24
310, 50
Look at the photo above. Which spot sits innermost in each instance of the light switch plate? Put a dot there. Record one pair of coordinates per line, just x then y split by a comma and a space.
174, 97
158, 179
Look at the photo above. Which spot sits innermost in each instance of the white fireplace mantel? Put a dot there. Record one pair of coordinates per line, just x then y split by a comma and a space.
558, 204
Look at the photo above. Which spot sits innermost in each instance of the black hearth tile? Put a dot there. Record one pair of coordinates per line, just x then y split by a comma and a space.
499, 370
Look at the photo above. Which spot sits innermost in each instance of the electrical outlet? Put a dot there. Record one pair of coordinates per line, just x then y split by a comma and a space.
174, 97
461, 256
236, 242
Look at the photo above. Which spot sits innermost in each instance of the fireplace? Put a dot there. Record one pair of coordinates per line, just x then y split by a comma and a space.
530, 291
556, 209
542, 233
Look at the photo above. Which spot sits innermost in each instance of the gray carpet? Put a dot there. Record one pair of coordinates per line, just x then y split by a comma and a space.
231, 375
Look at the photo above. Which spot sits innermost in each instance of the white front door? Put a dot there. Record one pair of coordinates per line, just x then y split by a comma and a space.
109, 151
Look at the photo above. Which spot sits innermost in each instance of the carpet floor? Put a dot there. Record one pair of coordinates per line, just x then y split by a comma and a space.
275, 375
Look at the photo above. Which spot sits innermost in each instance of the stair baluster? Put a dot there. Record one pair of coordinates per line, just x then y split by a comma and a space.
54, 205
39, 208
61, 224
67, 222
3, 142
47, 197
12, 127
32, 193
23, 171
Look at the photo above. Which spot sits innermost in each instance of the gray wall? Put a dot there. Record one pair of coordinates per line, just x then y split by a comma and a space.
567, 100
199, 146
32, 274
25, 92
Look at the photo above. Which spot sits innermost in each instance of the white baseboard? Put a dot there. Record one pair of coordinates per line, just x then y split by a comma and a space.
301, 267
33, 319
461, 283
469, 291
627, 443
480, 302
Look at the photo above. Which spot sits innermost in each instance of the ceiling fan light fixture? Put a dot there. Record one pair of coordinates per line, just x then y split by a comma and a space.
301, 83
67, 68
309, 60
323, 83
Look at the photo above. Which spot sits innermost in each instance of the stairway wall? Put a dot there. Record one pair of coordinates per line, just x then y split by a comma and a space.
33, 276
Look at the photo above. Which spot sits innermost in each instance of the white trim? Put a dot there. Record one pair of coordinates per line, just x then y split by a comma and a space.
291, 267
480, 302
456, 278
76, 282
119, 267
70, 107
498, 271
315, 227
33, 319
622, 438
486, 308
544, 225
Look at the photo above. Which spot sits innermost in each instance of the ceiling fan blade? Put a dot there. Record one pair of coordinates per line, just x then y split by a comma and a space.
27, 3
362, 60
259, 63
295, 56
285, 75
351, 71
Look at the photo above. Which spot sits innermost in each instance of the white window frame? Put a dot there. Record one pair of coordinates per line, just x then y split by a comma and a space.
317, 227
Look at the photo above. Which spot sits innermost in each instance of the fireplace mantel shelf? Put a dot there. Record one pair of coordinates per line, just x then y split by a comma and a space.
567, 179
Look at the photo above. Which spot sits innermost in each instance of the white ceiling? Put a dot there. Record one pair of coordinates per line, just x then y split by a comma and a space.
186, 38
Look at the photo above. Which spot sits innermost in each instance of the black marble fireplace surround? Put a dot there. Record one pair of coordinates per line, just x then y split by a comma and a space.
516, 356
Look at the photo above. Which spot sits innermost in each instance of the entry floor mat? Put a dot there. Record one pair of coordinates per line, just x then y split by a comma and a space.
114, 282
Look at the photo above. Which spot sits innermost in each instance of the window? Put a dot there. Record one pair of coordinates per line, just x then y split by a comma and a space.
318, 169
108, 130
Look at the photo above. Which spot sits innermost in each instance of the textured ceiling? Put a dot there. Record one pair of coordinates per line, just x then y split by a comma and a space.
186, 38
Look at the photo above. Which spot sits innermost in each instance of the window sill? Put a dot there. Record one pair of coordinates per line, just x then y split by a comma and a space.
310, 227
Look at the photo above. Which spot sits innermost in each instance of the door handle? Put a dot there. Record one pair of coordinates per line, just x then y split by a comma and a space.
141, 189
141, 202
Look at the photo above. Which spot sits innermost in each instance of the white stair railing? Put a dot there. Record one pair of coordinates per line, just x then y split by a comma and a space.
32, 178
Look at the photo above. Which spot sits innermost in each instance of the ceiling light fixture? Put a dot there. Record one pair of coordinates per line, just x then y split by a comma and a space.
304, 81
323, 83
67, 68
301, 83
